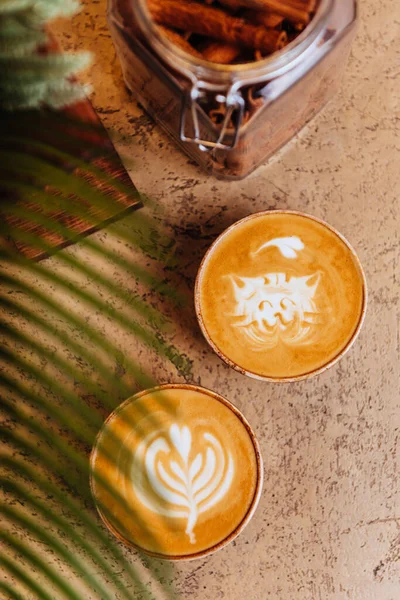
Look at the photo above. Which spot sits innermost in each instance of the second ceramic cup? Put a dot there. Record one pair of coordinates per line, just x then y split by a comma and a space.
280, 296
177, 472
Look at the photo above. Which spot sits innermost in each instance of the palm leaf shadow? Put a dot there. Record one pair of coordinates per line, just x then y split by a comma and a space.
58, 379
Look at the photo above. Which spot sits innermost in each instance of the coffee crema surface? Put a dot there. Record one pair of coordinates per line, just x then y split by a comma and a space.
280, 295
176, 471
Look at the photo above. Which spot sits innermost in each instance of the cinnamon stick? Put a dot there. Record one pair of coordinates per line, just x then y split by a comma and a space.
214, 23
217, 115
179, 41
269, 20
265, 5
221, 53
297, 11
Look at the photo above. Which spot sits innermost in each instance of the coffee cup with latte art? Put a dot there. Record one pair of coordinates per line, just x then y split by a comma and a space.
280, 296
176, 471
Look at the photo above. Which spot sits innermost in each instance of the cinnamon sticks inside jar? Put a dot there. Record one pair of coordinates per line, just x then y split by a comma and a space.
216, 24
241, 113
231, 31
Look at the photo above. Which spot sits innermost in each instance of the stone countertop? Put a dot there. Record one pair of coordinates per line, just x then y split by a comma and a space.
328, 525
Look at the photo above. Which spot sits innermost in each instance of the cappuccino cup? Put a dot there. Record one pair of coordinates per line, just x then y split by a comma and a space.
176, 471
280, 296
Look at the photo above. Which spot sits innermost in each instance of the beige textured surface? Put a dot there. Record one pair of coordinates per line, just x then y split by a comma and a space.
328, 525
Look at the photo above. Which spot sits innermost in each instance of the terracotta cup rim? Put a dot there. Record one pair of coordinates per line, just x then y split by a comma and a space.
269, 378
257, 492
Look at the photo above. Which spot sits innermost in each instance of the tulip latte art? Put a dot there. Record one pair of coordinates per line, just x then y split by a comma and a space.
182, 487
175, 471
280, 295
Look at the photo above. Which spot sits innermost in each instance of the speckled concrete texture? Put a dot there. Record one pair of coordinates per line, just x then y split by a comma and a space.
328, 524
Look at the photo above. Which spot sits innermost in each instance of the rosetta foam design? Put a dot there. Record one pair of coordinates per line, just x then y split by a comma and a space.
181, 488
176, 471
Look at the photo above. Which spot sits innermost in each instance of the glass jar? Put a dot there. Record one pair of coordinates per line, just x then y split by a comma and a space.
265, 103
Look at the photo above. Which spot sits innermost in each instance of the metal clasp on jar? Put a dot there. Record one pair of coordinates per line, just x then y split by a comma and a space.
233, 101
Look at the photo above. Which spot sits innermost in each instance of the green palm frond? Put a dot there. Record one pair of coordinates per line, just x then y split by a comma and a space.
57, 381
16, 39
29, 77
38, 11
30, 68
63, 364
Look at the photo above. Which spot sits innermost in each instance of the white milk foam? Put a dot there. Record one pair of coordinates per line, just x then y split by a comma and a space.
275, 306
181, 487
